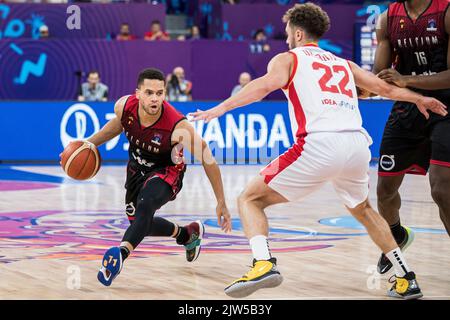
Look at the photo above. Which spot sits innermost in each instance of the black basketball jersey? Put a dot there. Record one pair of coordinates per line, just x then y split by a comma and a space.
151, 147
420, 46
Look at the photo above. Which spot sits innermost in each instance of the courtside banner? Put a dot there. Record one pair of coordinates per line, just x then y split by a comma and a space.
39, 131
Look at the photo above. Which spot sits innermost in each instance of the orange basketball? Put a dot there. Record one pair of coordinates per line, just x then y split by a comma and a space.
80, 160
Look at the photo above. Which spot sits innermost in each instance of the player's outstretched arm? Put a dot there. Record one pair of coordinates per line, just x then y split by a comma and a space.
113, 127
185, 134
277, 76
369, 81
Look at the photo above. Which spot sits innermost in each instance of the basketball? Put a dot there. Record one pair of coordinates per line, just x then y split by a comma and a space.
80, 160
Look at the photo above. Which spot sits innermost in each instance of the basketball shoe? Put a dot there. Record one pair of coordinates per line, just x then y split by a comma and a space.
195, 231
263, 274
384, 265
112, 264
405, 287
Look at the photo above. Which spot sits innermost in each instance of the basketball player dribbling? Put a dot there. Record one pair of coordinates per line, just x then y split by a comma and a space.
157, 133
413, 38
331, 145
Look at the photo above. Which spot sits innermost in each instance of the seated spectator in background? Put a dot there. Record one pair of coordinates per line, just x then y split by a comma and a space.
93, 89
259, 43
194, 33
125, 33
178, 88
244, 79
44, 33
156, 33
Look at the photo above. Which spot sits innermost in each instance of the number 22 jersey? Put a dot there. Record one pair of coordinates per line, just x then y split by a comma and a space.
321, 93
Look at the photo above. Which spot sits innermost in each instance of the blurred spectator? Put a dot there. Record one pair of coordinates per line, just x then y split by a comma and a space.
93, 89
44, 33
194, 33
125, 33
259, 43
156, 33
244, 79
178, 88
230, 1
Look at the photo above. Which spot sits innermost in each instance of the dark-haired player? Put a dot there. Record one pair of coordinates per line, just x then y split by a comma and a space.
157, 133
331, 145
413, 38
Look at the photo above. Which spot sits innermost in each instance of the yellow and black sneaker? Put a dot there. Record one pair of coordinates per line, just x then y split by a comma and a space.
405, 287
263, 274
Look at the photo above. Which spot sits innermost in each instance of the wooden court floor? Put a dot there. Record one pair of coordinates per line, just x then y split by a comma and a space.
54, 231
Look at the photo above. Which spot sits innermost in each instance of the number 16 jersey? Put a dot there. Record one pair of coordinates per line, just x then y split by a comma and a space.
321, 92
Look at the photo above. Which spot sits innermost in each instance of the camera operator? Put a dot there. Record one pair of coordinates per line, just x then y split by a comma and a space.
178, 88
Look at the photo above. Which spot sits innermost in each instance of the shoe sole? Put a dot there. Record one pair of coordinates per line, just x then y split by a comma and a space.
108, 282
410, 297
407, 244
244, 289
201, 229
101, 278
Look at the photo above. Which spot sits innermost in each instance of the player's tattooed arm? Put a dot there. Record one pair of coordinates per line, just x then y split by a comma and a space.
186, 135
437, 81
369, 81
113, 127
277, 76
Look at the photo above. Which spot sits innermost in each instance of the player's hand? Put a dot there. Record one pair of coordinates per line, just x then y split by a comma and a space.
392, 76
425, 104
223, 217
207, 115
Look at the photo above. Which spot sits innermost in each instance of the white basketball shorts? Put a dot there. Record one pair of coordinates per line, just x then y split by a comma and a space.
339, 157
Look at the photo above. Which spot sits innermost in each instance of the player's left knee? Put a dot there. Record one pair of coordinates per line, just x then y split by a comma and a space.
253, 197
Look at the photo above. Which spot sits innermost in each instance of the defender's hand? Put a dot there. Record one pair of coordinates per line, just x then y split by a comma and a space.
392, 76
223, 217
426, 104
207, 115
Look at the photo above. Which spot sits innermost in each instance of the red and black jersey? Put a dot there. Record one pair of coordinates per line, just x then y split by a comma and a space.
420, 46
151, 147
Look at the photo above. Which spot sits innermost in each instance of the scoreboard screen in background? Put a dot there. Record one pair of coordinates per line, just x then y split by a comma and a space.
365, 45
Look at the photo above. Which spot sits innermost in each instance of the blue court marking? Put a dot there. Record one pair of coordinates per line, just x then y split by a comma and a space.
351, 223
17, 175
16, 49
236, 225
7, 173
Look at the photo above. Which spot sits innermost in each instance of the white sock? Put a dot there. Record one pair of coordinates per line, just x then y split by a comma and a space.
260, 247
398, 261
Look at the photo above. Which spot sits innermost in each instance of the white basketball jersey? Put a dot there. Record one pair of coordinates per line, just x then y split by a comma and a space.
321, 93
